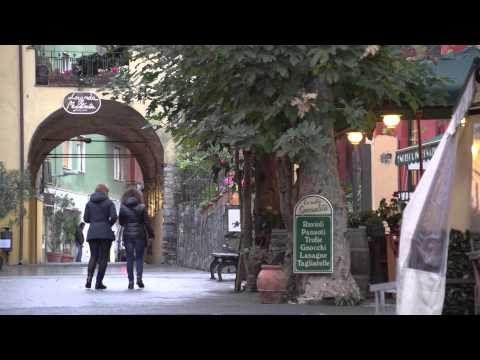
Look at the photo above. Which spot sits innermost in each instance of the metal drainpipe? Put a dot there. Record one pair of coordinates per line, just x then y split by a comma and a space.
418, 115
22, 155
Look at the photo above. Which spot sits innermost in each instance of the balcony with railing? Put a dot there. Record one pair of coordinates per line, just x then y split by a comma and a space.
77, 69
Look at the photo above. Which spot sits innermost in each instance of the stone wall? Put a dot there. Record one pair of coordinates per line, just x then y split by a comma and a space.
201, 232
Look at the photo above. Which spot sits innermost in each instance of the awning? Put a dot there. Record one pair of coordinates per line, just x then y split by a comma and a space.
409, 155
424, 236
456, 67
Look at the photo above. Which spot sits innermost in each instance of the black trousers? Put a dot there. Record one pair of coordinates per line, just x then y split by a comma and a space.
99, 252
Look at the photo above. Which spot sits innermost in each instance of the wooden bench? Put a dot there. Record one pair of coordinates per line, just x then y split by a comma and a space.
391, 288
220, 260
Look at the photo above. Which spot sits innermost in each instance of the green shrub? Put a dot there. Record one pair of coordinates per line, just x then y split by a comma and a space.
459, 298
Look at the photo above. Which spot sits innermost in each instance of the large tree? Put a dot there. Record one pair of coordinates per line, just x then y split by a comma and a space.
284, 100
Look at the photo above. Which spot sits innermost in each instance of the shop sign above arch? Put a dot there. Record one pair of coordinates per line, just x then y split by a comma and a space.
82, 103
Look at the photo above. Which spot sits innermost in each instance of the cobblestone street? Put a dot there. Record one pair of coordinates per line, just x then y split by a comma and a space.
59, 290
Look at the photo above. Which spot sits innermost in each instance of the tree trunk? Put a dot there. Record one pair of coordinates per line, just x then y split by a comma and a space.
319, 175
241, 271
284, 170
267, 202
247, 198
247, 218
266, 209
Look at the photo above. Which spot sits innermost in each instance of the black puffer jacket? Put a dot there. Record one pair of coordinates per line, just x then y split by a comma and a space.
134, 219
101, 214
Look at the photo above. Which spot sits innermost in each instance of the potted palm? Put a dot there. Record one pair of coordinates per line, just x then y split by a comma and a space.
70, 223
65, 221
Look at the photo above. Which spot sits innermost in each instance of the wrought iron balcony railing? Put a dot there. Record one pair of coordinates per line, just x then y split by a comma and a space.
55, 68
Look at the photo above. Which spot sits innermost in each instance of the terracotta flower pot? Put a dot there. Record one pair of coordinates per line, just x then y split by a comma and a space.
272, 284
67, 258
54, 257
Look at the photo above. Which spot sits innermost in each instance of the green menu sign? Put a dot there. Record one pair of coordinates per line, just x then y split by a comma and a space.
313, 235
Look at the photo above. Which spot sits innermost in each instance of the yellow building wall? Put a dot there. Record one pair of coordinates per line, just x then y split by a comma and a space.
40, 251
11, 221
13, 255
384, 176
460, 208
39, 103
475, 187
9, 107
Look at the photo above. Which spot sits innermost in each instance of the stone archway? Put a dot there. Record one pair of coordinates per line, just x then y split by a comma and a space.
116, 121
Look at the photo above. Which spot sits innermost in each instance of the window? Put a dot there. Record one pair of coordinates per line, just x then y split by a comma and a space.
67, 161
116, 164
80, 157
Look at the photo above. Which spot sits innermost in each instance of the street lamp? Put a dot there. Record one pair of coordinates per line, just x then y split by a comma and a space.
355, 138
391, 120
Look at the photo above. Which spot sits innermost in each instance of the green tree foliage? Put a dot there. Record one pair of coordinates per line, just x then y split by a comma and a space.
199, 170
12, 187
459, 298
283, 99
263, 95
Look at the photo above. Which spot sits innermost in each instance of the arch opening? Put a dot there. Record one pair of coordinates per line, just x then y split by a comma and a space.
117, 122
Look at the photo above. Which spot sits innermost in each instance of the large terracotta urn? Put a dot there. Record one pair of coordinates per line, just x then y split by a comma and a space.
272, 284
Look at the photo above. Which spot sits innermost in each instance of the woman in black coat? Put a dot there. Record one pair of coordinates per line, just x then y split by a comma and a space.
137, 232
101, 214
